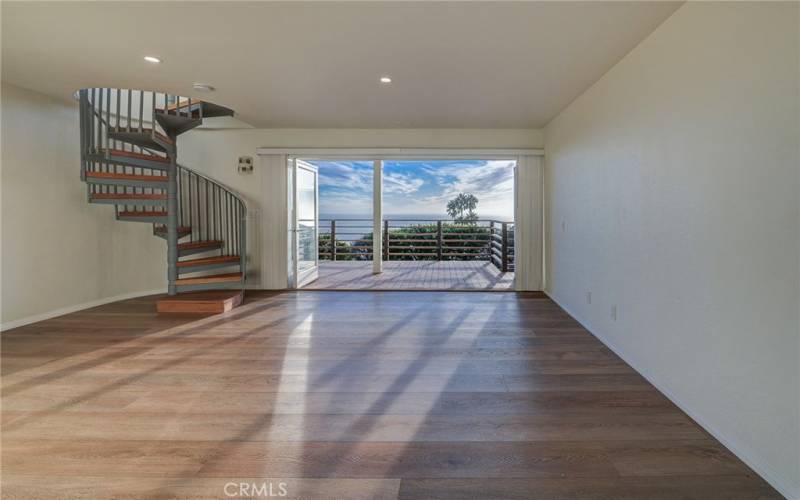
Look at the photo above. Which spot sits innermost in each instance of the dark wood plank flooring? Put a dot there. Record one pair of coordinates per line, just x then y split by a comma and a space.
345, 395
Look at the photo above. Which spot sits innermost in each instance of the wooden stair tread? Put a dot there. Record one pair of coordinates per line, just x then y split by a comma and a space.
127, 177
213, 278
199, 244
181, 229
129, 196
138, 156
183, 104
137, 213
209, 260
145, 132
210, 109
207, 302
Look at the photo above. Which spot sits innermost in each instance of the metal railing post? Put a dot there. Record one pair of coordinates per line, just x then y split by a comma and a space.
333, 240
386, 239
439, 240
243, 245
504, 253
489, 244
85, 115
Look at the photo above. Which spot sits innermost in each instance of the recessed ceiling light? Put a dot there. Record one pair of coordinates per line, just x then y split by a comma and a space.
152, 59
203, 87
386, 79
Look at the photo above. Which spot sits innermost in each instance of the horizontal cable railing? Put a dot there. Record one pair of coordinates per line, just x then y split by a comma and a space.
419, 239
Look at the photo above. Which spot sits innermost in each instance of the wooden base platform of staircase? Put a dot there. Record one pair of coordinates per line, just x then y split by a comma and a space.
207, 302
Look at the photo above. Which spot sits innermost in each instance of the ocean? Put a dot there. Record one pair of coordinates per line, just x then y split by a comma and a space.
363, 222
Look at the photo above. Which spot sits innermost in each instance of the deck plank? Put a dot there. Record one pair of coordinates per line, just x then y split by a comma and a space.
412, 275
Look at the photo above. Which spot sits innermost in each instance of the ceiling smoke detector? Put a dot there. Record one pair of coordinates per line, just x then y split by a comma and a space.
203, 87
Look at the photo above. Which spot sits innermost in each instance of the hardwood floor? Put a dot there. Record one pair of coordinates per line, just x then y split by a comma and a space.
345, 395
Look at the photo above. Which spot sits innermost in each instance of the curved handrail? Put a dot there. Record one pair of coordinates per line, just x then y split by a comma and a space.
240, 197
214, 211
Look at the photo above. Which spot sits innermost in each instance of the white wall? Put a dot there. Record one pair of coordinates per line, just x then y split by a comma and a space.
216, 152
675, 178
59, 252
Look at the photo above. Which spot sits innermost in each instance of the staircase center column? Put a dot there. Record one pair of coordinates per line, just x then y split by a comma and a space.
172, 222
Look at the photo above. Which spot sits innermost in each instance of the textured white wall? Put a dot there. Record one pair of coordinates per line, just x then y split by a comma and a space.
672, 189
58, 251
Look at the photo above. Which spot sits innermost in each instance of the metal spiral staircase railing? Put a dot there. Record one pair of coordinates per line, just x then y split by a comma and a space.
129, 160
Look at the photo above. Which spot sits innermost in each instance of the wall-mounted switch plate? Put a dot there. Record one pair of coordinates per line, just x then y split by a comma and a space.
614, 313
588, 297
245, 165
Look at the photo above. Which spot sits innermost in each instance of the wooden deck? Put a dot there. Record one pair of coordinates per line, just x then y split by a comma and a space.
410, 395
412, 275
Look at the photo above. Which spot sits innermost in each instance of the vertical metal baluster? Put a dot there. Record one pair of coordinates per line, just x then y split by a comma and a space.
185, 198
106, 125
243, 245
224, 217
236, 228
214, 211
89, 123
108, 122
205, 199
90, 149
130, 113
101, 141
197, 201
178, 192
210, 210
83, 129
118, 93
141, 109
98, 144
217, 213
189, 197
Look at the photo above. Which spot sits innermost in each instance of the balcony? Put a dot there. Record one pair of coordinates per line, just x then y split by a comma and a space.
430, 254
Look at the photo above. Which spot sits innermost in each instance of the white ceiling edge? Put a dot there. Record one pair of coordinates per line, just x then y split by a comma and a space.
401, 153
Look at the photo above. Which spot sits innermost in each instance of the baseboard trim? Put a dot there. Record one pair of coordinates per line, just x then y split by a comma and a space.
744, 454
77, 307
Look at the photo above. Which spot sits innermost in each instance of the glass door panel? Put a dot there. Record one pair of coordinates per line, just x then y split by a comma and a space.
306, 222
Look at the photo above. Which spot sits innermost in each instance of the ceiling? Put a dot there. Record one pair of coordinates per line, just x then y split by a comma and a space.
317, 65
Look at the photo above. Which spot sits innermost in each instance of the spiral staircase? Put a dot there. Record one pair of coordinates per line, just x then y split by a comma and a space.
129, 160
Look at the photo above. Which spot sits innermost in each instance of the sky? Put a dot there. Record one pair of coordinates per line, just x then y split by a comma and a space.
416, 187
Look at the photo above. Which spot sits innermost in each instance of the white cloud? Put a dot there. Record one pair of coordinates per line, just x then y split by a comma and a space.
346, 175
399, 183
492, 182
